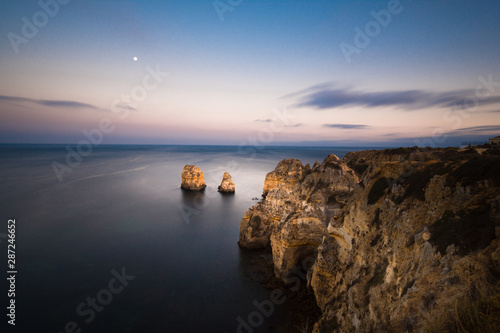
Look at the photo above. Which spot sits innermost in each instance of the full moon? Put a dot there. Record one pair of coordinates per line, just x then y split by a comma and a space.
135, 58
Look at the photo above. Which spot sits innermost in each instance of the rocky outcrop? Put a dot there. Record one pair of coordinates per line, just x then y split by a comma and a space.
227, 184
192, 178
394, 240
288, 172
299, 192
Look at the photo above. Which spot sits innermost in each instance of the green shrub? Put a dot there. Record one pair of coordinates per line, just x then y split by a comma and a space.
378, 277
418, 180
479, 168
493, 152
400, 151
470, 231
378, 189
359, 168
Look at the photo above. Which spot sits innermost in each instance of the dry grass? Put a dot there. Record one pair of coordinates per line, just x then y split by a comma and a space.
478, 311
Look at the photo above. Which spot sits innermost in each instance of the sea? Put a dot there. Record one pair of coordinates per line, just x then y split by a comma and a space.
105, 240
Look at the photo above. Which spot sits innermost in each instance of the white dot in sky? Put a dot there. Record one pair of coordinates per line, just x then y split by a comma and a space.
135, 58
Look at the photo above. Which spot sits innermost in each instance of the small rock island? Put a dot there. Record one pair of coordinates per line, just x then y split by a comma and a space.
227, 184
192, 178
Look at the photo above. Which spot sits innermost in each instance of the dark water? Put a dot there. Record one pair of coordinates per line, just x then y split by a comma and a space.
121, 212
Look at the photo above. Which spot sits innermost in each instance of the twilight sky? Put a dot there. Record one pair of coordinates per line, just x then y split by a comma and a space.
274, 72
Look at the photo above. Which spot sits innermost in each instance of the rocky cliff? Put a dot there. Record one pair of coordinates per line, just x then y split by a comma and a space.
192, 178
395, 240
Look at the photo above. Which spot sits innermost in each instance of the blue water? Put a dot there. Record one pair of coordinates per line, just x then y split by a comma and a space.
121, 209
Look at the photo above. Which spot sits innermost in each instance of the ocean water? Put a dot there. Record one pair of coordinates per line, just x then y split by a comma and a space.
117, 246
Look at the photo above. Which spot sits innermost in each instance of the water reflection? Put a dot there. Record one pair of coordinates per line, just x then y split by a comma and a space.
181, 245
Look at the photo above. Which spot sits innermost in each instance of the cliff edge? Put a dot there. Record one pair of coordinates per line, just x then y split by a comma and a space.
395, 240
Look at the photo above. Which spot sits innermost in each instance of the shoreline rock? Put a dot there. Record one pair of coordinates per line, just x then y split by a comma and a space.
192, 178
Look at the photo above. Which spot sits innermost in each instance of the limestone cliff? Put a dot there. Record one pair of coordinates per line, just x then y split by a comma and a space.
192, 178
288, 172
227, 184
395, 240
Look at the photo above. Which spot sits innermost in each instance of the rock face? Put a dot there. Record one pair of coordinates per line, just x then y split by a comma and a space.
192, 178
227, 184
288, 172
390, 240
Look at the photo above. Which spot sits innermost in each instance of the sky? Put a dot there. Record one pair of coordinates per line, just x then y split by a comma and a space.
236, 72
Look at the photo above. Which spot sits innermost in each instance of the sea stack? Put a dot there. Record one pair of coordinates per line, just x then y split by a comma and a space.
192, 178
227, 184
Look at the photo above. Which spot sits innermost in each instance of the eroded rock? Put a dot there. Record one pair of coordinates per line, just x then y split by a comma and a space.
397, 237
227, 184
192, 178
287, 172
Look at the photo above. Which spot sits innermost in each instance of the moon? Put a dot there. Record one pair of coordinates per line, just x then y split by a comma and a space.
135, 58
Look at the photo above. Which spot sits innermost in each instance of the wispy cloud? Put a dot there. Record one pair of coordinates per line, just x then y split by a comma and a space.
66, 104
327, 96
50, 103
346, 126
487, 129
124, 106
457, 136
271, 120
14, 99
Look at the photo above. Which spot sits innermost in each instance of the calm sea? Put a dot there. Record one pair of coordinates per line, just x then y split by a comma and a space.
117, 246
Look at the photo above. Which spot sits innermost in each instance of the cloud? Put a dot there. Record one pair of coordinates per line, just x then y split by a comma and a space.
14, 99
316, 87
327, 96
455, 137
295, 125
478, 129
125, 107
66, 104
50, 103
346, 126
271, 120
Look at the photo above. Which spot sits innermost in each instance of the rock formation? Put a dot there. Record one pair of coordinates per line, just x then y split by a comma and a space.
288, 172
192, 178
393, 240
227, 184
